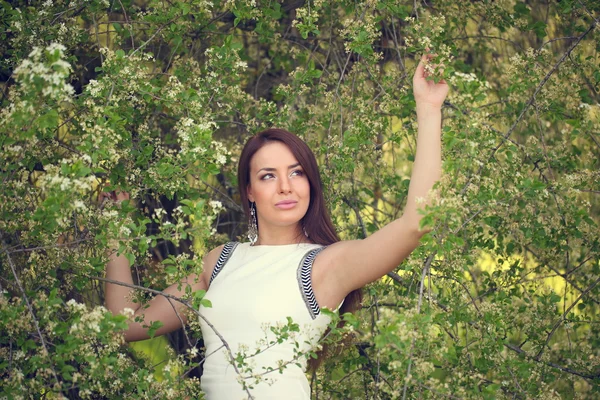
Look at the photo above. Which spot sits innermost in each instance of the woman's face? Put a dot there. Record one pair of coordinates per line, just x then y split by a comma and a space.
278, 186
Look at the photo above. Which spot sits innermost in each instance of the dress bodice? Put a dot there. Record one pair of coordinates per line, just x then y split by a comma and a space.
264, 308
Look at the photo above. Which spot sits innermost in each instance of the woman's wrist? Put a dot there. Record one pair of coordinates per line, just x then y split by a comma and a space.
424, 108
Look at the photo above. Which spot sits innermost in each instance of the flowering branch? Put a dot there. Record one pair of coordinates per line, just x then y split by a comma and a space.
562, 318
420, 302
530, 102
30, 308
188, 305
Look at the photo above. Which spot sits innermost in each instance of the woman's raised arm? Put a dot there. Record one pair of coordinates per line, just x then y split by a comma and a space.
349, 265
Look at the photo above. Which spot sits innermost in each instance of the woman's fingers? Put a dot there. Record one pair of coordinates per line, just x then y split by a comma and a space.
421, 66
120, 196
103, 196
115, 195
426, 68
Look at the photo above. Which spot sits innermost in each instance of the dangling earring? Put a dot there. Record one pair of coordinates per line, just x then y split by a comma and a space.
252, 225
304, 230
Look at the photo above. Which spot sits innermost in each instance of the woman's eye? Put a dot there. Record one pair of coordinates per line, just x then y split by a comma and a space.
266, 176
297, 172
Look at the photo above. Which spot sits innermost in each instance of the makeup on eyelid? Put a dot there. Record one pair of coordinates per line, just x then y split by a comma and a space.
299, 171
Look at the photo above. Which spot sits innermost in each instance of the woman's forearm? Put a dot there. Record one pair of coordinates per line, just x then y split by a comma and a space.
427, 167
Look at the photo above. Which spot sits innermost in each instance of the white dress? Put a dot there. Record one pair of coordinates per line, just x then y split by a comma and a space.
255, 290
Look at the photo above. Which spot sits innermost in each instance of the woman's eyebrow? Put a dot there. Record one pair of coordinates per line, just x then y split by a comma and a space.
270, 169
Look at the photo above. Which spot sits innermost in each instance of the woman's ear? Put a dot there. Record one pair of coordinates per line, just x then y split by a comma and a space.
249, 193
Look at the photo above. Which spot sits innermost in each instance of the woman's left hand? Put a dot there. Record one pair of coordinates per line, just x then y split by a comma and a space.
427, 92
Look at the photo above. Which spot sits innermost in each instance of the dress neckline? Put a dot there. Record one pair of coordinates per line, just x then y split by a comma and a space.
279, 245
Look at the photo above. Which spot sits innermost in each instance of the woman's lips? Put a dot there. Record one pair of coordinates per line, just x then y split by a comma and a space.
286, 204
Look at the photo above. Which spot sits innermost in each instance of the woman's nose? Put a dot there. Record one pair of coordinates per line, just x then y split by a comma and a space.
284, 185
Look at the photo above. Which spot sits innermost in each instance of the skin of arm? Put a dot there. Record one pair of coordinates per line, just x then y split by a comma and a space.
167, 311
349, 265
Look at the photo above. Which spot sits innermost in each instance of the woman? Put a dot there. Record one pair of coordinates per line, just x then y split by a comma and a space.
261, 290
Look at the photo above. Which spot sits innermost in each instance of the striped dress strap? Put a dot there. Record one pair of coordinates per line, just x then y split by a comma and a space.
223, 258
305, 281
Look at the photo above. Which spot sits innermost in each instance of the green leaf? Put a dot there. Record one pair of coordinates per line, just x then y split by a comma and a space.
337, 374
156, 325
48, 120
130, 258
554, 298
206, 303
539, 28
521, 9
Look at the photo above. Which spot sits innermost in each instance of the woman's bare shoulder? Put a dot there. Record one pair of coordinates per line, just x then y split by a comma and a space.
209, 261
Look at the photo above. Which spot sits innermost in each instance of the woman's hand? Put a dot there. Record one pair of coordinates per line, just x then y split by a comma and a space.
115, 196
427, 92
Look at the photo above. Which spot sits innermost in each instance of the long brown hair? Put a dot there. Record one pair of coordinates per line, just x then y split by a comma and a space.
316, 222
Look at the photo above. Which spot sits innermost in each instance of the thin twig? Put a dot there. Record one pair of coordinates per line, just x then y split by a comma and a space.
530, 102
188, 305
519, 350
128, 23
30, 308
562, 318
25, 250
420, 302
187, 338
358, 217
183, 375
589, 12
152, 37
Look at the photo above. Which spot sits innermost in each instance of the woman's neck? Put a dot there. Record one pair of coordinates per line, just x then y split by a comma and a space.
281, 236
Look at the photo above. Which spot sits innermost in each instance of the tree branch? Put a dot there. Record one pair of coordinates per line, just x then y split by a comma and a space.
30, 308
519, 350
420, 302
562, 318
531, 101
188, 305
